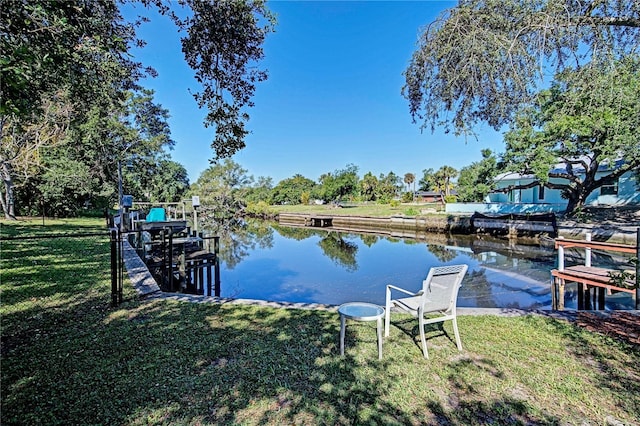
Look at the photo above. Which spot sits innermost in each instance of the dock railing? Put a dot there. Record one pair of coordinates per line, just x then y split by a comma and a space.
589, 277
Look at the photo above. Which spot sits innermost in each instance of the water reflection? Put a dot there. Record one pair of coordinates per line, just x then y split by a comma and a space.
268, 261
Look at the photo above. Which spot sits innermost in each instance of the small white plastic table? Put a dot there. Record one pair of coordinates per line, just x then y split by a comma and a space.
360, 311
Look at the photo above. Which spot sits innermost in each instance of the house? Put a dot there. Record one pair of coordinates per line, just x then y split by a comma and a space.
428, 196
624, 191
431, 196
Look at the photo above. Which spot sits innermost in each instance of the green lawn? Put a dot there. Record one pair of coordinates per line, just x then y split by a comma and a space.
69, 358
375, 210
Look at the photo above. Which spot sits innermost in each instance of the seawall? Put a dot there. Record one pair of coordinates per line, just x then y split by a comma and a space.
415, 227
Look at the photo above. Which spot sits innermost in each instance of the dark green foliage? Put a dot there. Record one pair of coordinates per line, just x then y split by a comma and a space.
340, 184
223, 45
427, 182
291, 190
260, 191
222, 189
388, 187
368, 187
483, 59
47, 45
477, 179
587, 120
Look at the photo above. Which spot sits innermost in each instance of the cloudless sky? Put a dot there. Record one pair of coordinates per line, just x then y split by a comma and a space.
333, 96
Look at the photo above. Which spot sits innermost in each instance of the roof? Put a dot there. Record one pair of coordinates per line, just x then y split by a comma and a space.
558, 168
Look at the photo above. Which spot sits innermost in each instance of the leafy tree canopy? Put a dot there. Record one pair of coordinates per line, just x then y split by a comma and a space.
223, 45
587, 121
427, 182
291, 190
483, 59
368, 187
477, 180
222, 188
260, 190
442, 179
388, 186
339, 184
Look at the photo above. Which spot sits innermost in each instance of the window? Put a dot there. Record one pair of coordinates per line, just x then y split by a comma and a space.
611, 189
541, 192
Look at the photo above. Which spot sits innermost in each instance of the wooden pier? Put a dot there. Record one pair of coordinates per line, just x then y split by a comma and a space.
180, 261
319, 221
594, 282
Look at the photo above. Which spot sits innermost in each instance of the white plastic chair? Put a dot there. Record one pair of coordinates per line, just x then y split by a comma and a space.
439, 294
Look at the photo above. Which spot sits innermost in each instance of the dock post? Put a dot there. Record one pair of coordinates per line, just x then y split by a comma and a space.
600, 291
581, 294
587, 252
208, 291
200, 273
216, 250
637, 269
560, 257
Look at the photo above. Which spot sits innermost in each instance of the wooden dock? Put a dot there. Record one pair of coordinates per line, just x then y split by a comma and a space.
319, 221
179, 260
594, 282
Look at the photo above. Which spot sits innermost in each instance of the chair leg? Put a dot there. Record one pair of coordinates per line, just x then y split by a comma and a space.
455, 331
387, 314
422, 337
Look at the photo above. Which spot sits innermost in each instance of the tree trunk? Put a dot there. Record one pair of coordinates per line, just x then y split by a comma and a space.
7, 200
576, 202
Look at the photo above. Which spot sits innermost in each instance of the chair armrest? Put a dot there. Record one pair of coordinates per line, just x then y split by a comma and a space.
393, 287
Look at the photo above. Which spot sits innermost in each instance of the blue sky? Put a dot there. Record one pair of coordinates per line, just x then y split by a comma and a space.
333, 96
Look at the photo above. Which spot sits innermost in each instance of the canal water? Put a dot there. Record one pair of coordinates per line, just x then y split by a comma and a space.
267, 261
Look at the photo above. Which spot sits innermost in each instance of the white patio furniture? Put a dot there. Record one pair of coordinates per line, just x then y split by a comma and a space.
360, 311
439, 294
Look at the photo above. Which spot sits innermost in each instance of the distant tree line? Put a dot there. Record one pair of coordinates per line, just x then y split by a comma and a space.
227, 187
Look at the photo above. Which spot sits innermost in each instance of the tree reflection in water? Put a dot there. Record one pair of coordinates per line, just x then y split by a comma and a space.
239, 237
339, 250
268, 261
441, 252
333, 245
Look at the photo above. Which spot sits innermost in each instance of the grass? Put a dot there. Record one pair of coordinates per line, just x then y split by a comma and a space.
69, 358
374, 210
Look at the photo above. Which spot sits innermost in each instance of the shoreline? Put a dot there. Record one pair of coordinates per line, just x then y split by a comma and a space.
413, 227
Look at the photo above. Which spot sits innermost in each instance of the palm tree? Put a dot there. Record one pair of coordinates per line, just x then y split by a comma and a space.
443, 179
410, 178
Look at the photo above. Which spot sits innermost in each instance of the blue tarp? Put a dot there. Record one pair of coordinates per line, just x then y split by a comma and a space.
156, 214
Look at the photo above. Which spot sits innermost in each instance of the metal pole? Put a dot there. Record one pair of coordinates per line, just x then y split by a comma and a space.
114, 268
120, 195
195, 218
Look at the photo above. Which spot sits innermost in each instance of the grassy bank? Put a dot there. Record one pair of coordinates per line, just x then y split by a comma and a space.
374, 210
68, 358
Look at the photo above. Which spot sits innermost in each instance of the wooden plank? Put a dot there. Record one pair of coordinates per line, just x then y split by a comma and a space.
597, 277
622, 248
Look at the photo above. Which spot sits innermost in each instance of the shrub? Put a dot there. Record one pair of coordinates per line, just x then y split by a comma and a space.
260, 209
407, 197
